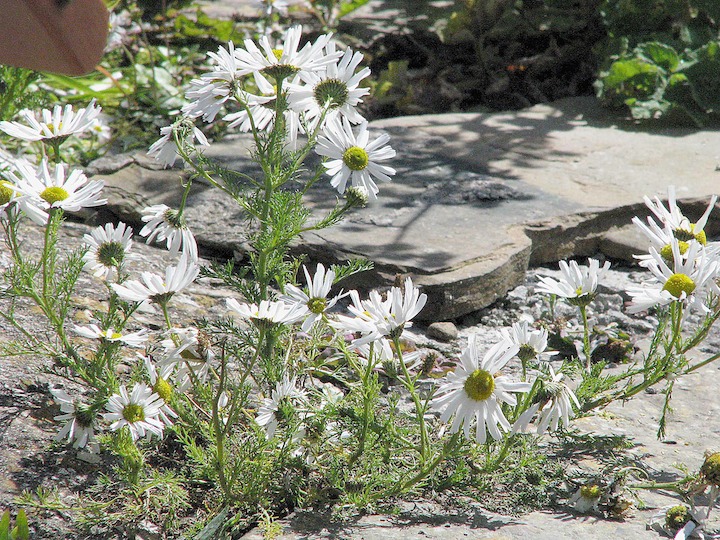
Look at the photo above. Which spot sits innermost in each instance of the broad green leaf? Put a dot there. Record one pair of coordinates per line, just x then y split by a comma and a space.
82, 85
5, 526
349, 6
21, 530
663, 55
622, 71
704, 77
214, 527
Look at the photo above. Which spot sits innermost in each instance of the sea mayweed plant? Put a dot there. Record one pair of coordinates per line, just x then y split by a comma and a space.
282, 402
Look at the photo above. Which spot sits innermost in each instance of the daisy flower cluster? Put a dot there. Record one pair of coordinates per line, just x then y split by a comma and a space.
312, 91
684, 267
37, 188
477, 395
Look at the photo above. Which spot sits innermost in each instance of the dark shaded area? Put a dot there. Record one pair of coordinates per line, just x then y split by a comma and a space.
498, 56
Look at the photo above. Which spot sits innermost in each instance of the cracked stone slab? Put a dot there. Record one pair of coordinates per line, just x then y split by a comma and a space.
477, 197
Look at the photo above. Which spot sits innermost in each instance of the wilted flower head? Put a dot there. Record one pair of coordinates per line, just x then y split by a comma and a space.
80, 421
165, 149
165, 224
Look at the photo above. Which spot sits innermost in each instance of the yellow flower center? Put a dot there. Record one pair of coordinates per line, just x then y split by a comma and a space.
590, 491
686, 235
711, 469
355, 158
163, 389
6, 192
278, 53
479, 385
116, 335
677, 516
55, 129
54, 194
133, 413
667, 254
678, 284
317, 305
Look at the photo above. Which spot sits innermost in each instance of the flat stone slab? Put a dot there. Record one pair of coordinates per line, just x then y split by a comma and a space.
477, 197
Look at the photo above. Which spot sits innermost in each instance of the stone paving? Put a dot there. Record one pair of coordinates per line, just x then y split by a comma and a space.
478, 197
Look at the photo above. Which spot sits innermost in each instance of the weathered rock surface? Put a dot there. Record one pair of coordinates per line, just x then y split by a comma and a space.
477, 198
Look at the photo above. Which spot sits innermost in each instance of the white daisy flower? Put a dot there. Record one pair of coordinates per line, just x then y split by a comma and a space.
108, 249
553, 402
208, 94
159, 377
532, 343
475, 391
55, 125
353, 157
100, 129
80, 426
281, 62
375, 317
578, 284
279, 406
163, 223
139, 411
688, 281
165, 149
334, 89
672, 216
660, 239
156, 289
256, 111
190, 356
270, 6
314, 296
135, 339
276, 312
7, 195
43, 190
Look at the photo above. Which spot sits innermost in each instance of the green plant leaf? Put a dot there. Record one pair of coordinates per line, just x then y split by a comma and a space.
349, 6
21, 530
214, 527
5, 526
704, 77
663, 55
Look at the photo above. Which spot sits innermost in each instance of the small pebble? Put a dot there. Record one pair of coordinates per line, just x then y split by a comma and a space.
442, 331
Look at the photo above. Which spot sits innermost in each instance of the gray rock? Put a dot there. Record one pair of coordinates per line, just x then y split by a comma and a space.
477, 199
442, 331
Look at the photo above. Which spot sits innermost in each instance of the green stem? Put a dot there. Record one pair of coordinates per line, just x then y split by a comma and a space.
409, 384
367, 404
402, 486
586, 337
